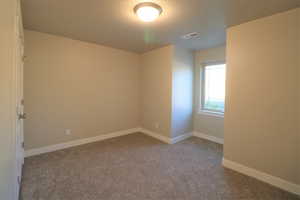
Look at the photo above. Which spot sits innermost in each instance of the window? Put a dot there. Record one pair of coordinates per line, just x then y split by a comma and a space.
213, 88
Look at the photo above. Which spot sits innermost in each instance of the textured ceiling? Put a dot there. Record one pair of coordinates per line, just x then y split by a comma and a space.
113, 23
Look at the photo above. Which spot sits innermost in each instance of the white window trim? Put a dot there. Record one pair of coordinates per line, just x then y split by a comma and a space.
211, 113
201, 109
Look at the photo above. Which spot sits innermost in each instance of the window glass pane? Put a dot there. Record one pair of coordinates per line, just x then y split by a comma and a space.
214, 96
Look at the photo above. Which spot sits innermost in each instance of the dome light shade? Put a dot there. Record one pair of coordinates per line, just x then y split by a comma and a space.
147, 11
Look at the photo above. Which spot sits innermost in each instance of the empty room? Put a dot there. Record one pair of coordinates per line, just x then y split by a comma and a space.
149, 100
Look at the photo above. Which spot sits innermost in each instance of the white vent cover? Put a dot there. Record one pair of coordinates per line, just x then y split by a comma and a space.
190, 36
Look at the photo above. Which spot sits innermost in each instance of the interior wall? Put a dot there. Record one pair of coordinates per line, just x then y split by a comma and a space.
182, 91
206, 123
156, 90
7, 96
262, 104
87, 88
298, 96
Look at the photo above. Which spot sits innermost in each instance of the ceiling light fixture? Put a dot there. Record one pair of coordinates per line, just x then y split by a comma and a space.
147, 11
189, 36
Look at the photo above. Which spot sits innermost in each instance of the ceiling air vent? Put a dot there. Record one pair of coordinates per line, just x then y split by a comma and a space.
190, 36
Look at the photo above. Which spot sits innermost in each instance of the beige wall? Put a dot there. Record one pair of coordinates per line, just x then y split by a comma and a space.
262, 104
298, 97
156, 90
92, 90
167, 91
69, 84
7, 113
182, 91
204, 123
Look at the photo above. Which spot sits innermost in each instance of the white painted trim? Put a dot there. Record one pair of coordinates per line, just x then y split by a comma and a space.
181, 137
273, 180
164, 138
208, 137
73, 143
55, 147
210, 113
156, 135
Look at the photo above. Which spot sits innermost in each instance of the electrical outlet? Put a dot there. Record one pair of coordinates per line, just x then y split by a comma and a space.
156, 125
68, 131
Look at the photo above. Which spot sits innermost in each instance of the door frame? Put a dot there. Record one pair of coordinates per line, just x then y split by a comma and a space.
18, 101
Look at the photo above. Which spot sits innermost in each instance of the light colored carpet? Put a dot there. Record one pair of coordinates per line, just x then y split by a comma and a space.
137, 167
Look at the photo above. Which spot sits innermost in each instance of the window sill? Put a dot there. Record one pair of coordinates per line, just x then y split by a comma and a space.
210, 113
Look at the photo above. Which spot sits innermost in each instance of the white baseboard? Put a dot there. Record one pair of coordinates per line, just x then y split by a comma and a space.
164, 138
181, 137
208, 137
55, 147
156, 135
275, 181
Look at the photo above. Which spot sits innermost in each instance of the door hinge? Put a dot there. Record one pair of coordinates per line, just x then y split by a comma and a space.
19, 180
22, 116
22, 145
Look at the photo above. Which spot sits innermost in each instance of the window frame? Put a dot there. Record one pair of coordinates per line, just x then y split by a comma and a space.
202, 109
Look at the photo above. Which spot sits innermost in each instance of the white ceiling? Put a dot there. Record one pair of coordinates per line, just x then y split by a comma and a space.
113, 23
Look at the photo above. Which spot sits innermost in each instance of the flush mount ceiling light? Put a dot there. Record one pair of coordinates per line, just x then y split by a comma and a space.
147, 11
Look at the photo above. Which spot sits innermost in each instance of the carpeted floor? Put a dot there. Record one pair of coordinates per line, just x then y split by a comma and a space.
137, 167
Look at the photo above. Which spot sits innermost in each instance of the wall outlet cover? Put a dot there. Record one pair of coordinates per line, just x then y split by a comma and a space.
68, 131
